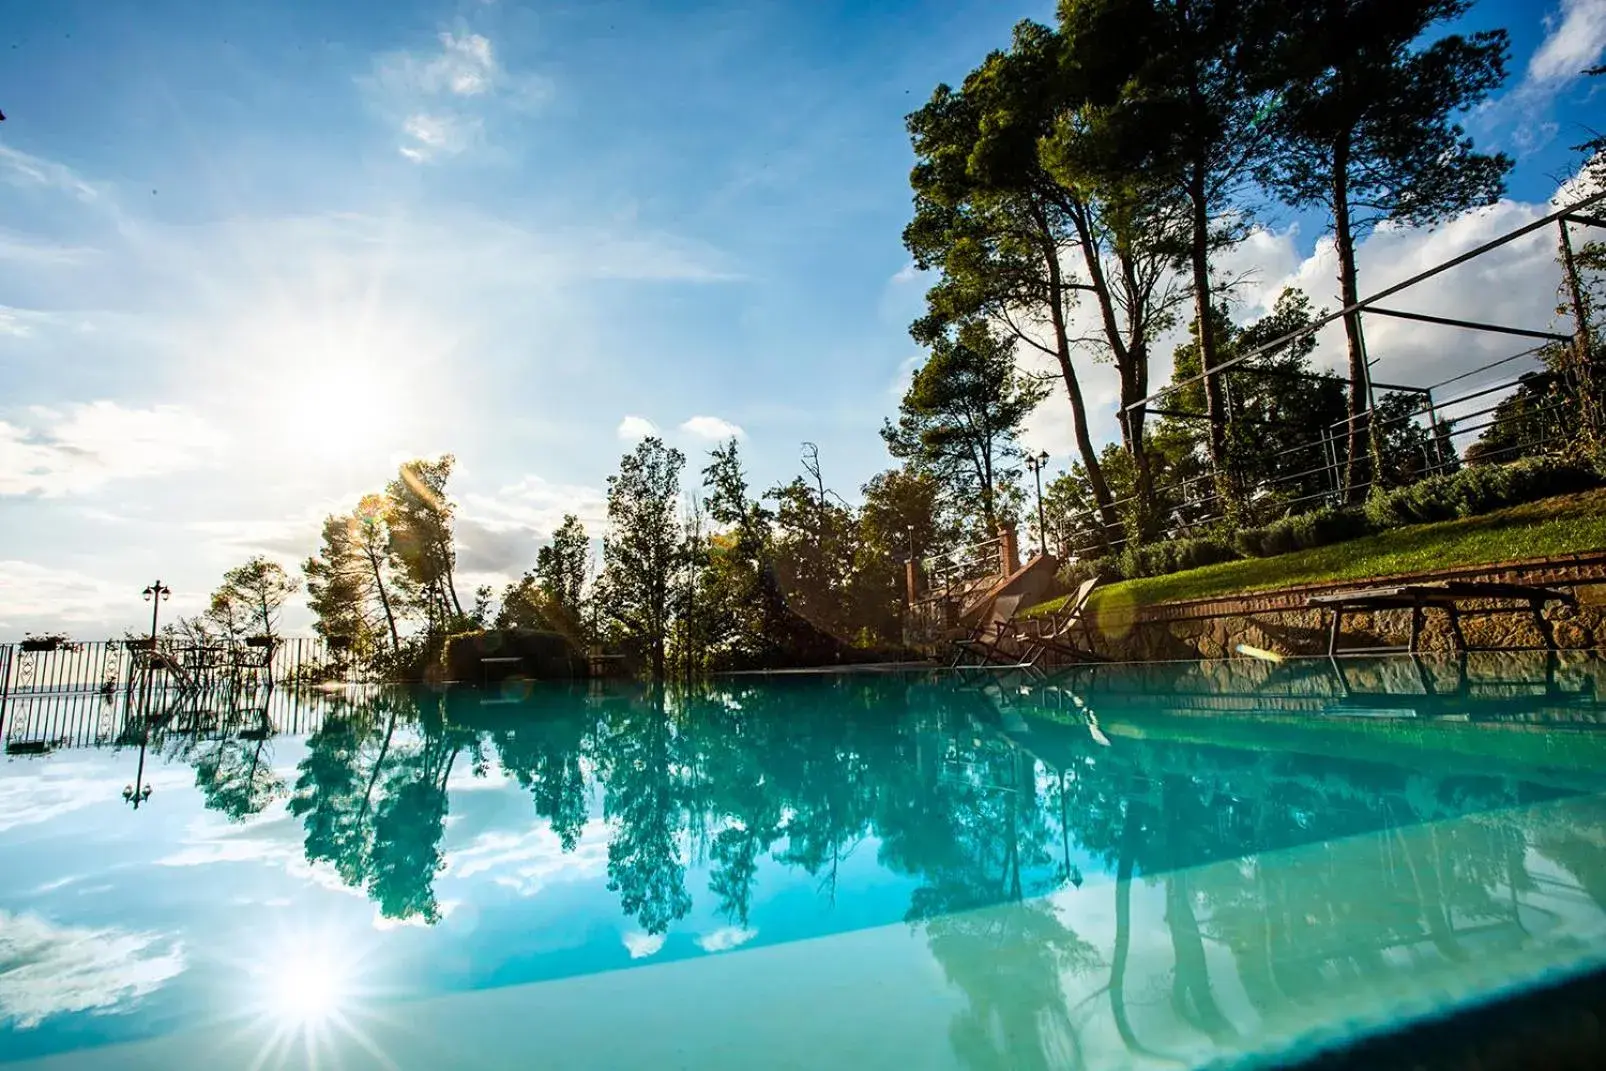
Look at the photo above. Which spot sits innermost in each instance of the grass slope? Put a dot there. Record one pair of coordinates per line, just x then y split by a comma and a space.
1568, 524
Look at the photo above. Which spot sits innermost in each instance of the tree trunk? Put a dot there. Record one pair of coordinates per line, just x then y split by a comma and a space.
1084, 443
1584, 375
1215, 407
1131, 361
446, 572
1360, 449
384, 599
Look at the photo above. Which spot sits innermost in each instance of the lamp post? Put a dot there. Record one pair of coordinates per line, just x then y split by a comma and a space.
155, 594
1035, 462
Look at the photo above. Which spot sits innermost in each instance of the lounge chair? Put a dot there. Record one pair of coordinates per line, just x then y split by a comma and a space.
1052, 633
980, 648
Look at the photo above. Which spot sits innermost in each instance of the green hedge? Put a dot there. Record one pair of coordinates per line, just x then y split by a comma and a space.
1173, 556
1472, 491
1301, 532
1477, 489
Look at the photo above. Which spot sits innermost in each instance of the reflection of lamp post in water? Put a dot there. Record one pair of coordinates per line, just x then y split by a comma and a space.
1035, 462
138, 792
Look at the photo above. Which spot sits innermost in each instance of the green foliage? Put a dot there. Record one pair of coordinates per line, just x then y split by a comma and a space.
560, 566
1173, 556
1301, 532
1361, 99
250, 598
1476, 490
643, 550
420, 520
1567, 524
1364, 128
961, 414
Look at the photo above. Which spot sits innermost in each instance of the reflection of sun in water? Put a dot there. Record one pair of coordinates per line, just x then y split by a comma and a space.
302, 997
307, 988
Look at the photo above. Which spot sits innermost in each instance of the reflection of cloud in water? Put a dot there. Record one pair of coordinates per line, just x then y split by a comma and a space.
641, 945
60, 788
527, 862
48, 970
276, 843
725, 938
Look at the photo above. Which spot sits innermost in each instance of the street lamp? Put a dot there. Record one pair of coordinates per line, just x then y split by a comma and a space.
1035, 462
156, 594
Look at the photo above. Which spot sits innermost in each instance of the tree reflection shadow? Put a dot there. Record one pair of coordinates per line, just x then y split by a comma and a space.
993, 802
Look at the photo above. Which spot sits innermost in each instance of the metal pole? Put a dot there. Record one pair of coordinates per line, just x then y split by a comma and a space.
1433, 428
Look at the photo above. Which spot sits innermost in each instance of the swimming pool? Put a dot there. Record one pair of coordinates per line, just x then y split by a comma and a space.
1122, 867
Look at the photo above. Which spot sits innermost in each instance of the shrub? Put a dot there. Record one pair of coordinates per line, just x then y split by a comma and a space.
1476, 490
1173, 556
1301, 532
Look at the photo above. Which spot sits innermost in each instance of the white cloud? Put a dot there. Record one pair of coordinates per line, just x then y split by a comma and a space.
535, 506
641, 945
709, 427
44, 596
21, 169
85, 445
433, 136
438, 96
528, 862
632, 428
53, 970
1513, 286
725, 939
1576, 39
23, 250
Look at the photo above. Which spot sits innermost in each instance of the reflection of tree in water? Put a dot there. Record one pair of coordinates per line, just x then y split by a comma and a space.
640, 761
235, 776
545, 750
371, 795
796, 776
984, 840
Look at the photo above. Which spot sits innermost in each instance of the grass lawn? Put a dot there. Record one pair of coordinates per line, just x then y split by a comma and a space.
1567, 524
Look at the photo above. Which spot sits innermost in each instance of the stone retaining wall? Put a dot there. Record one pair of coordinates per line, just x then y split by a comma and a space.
1280, 621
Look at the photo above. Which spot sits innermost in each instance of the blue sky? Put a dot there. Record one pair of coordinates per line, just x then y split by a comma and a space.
252, 255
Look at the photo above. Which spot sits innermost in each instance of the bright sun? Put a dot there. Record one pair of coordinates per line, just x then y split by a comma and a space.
306, 987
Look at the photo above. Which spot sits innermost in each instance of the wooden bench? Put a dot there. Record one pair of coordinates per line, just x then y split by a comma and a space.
1446, 595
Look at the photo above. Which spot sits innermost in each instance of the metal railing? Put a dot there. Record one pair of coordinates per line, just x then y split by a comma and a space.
1198, 501
109, 666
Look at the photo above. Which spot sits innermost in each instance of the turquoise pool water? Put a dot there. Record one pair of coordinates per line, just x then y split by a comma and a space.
1132, 867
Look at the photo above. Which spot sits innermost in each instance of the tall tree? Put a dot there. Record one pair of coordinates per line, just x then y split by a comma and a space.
420, 516
1365, 128
352, 588
561, 564
370, 539
253, 593
995, 224
961, 414
641, 552
1173, 92
336, 585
